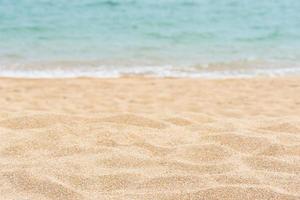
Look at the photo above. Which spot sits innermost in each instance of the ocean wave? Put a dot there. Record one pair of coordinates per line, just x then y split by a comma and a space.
240, 68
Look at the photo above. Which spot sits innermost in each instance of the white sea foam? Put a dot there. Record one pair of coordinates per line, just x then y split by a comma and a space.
212, 70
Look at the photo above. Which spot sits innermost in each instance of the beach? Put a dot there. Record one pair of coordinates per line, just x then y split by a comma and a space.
143, 99
150, 138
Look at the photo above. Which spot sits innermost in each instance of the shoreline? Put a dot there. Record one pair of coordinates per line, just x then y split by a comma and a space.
150, 138
141, 76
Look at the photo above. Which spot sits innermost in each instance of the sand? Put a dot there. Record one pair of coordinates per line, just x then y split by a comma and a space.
150, 138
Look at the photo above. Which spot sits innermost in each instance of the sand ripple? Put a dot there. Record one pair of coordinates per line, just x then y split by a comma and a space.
150, 139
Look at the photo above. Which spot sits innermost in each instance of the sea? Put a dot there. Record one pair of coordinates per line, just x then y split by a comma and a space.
164, 38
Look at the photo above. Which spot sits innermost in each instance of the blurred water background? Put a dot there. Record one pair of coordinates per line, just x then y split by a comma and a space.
61, 38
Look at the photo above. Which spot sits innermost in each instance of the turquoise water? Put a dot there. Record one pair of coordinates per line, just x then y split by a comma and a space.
167, 37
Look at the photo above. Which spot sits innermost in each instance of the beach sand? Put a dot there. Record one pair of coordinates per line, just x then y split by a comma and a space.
150, 138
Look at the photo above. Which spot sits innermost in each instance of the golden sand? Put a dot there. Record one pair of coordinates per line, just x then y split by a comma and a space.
150, 138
